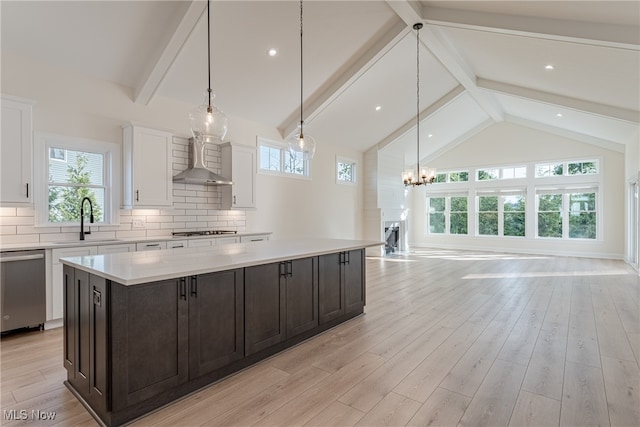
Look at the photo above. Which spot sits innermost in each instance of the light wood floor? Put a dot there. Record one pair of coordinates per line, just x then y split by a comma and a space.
449, 338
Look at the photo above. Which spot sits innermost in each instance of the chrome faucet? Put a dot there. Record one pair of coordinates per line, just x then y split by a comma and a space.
82, 232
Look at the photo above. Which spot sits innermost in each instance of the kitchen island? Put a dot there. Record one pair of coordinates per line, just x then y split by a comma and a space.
146, 328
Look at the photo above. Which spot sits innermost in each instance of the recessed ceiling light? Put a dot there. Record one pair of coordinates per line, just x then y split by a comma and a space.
272, 52
548, 67
559, 115
430, 135
378, 107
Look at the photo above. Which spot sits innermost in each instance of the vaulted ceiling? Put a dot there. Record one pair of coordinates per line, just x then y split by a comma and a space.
481, 62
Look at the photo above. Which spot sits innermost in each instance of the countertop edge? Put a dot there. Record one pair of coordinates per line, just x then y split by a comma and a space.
258, 259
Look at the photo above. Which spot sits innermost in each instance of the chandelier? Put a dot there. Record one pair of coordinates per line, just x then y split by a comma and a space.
419, 176
208, 122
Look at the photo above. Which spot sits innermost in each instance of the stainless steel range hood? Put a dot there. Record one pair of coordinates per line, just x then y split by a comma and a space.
198, 173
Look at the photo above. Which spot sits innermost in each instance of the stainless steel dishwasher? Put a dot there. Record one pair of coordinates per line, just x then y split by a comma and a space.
23, 289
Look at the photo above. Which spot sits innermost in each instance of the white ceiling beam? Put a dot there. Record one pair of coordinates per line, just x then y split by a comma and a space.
607, 35
576, 136
149, 86
446, 54
424, 114
564, 101
334, 87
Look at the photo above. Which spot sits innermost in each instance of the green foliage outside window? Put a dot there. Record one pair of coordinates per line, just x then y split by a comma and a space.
583, 168
441, 177
550, 215
489, 174
459, 176
582, 215
488, 215
514, 215
458, 216
437, 215
64, 201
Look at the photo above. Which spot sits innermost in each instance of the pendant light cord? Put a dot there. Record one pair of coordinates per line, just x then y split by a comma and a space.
417, 28
209, 54
301, 74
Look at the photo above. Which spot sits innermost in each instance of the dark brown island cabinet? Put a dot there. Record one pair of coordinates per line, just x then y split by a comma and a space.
131, 349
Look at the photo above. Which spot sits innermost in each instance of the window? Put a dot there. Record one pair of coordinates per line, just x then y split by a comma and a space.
72, 169
502, 215
510, 172
437, 222
550, 215
457, 176
567, 214
345, 171
275, 158
513, 216
549, 169
582, 215
583, 168
448, 215
590, 167
488, 215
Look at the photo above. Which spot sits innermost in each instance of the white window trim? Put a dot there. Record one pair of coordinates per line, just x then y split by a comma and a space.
112, 172
566, 191
340, 159
283, 147
499, 194
447, 213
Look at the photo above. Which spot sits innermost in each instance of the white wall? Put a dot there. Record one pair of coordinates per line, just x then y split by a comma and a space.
79, 106
506, 144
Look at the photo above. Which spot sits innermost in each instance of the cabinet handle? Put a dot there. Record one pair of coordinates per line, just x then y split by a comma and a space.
27, 190
289, 268
341, 258
152, 245
194, 286
183, 288
137, 195
234, 199
283, 269
347, 258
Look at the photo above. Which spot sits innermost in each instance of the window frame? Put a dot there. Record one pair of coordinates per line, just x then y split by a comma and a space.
284, 151
111, 153
354, 169
501, 212
447, 213
565, 211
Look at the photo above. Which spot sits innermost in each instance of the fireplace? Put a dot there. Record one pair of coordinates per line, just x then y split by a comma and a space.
393, 237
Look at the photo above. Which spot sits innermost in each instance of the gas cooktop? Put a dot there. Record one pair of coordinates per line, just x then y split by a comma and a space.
202, 233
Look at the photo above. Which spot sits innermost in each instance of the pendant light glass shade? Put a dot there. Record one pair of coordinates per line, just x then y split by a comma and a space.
301, 145
208, 122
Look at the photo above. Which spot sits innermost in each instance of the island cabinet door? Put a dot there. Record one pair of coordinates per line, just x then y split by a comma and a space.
70, 310
264, 307
330, 286
302, 295
216, 321
149, 340
354, 281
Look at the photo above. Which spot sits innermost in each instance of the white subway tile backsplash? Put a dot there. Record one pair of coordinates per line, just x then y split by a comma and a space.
8, 229
170, 225
159, 233
19, 238
7, 212
130, 234
17, 220
25, 211
159, 218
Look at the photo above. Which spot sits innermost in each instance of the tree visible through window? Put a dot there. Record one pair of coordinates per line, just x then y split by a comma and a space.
437, 221
70, 182
550, 215
346, 171
274, 157
458, 215
582, 215
488, 215
514, 215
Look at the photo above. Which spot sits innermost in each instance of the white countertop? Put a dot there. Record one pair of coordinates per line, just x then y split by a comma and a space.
100, 242
143, 267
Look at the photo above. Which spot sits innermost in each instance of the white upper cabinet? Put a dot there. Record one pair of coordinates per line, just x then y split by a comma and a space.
147, 167
16, 153
239, 164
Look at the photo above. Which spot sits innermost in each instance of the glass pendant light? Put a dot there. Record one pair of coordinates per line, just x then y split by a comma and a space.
301, 145
419, 176
208, 122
